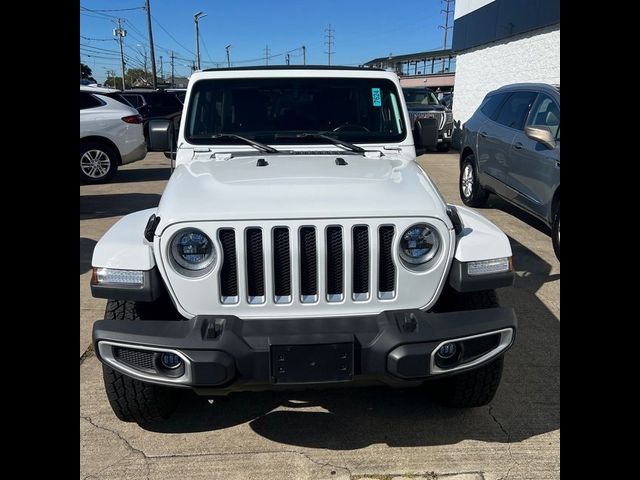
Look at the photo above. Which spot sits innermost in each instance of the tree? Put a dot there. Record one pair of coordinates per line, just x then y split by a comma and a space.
134, 77
86, 73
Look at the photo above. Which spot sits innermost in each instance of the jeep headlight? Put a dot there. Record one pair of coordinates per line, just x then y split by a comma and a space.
192, 250
419, 244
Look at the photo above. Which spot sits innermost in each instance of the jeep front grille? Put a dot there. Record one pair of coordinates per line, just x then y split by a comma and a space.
335, 268
316, 256
255, 265
281, 265
306, 268
229, 270
360, 263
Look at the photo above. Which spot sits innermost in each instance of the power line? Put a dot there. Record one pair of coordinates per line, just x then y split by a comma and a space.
266, 54
96, 11
97, 39
329, 42
113, 9
172, 37
446, 26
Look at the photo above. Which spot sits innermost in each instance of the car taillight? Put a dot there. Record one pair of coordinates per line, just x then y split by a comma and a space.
132, 119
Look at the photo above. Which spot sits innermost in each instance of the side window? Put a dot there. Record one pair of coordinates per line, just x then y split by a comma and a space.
491, 105
134, 100
88, 101
514, 111
545, 113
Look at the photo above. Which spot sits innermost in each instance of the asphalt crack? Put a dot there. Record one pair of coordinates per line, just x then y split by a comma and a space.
128, 445
147, 458
89, 352
508, 435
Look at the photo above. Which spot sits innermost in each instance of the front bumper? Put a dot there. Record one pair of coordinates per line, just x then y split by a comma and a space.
223, 353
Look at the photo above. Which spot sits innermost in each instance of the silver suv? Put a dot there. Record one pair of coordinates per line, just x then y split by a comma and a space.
511, 147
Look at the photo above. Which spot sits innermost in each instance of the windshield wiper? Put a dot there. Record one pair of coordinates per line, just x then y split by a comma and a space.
258, 145
335, 141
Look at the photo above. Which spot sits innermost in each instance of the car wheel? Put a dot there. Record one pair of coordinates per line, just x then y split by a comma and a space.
444, 147
472, 194
470, 389
555, 232
133, 400
98, 162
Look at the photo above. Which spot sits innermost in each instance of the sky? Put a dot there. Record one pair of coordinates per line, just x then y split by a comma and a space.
362, 31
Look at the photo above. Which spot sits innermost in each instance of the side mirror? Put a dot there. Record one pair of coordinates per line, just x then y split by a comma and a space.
160, 135
542, 135
425, 133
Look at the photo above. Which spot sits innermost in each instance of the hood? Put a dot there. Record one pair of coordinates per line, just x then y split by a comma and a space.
297, 186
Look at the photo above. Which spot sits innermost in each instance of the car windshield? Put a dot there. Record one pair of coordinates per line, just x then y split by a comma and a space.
423, 97
275, 110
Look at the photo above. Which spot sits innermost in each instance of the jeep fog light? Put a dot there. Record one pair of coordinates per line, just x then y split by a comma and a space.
485, 267
170, 360
118, 277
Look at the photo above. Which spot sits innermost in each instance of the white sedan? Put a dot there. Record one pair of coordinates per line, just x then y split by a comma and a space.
110, 135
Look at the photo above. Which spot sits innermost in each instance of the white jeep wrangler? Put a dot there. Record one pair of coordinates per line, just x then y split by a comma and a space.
298, 244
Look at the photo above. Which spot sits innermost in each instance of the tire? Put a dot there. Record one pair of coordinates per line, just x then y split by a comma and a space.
444, 147
476, 387
471, 389
132, 400
98, 162
555, 232
135, 401
471, 192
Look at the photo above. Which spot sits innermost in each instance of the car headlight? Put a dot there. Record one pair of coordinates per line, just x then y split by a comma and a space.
419, 244
192, 249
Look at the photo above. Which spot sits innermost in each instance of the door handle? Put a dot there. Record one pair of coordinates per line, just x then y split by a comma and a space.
518, 145
483, 134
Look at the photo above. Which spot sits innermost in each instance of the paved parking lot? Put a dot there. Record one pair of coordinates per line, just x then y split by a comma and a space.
372, 433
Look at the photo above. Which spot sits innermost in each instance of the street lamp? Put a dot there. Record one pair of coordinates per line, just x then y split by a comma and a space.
228, 59
196, 20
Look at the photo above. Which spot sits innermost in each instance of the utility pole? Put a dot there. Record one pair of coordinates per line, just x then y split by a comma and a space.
120, 33
329, 41
161, 71
196, 20
228, 58
304, 55
448, 10
173, 80
153, 56
266, 54
287, 58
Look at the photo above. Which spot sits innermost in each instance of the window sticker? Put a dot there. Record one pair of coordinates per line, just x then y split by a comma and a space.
377, 98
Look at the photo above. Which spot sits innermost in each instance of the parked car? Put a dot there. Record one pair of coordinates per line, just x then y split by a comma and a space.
110, 135
154, 104
180, 93
511, 147
447, 101
298, 243
423, 103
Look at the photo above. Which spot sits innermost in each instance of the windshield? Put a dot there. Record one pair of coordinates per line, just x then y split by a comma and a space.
358, 110
423, 97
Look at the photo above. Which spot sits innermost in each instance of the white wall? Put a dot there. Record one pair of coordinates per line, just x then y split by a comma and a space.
467, 6
530, 57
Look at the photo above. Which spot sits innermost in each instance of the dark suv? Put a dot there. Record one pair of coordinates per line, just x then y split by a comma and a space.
423, 103
511, 147
154, 104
